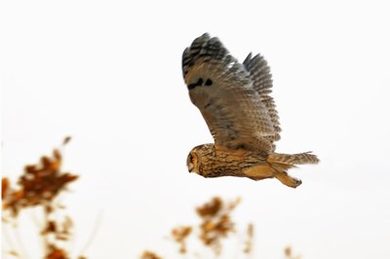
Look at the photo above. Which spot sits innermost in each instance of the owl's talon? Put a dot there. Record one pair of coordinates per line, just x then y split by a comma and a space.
284, 178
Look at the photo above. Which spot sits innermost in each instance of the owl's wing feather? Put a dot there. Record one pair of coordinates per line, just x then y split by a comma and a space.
223, 91
262, 82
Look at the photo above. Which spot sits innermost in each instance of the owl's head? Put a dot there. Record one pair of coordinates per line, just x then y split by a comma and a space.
193, 162
198, 158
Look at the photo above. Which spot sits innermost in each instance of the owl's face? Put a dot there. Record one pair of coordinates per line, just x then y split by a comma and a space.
199, 159
193, 162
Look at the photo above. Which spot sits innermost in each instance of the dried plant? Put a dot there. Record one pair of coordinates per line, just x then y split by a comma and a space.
248, 245
180, 235
216, 222
38, 187
288, 253
215, 225
150, 255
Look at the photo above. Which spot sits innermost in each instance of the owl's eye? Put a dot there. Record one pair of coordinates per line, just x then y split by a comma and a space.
208, 82
195, 84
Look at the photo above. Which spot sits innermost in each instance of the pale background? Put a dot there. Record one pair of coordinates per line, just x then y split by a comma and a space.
108, 73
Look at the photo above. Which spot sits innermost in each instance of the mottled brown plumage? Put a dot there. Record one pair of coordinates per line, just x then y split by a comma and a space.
241, 115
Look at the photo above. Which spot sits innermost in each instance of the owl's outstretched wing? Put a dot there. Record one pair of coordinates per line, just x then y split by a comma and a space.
224, 91
262, 82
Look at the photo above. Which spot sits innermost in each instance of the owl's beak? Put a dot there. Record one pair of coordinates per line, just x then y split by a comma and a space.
190, 167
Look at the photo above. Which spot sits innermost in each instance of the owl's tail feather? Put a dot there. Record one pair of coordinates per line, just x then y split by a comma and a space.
282, 162
292, 160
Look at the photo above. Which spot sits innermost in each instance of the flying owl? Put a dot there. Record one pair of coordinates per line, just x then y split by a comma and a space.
235, 102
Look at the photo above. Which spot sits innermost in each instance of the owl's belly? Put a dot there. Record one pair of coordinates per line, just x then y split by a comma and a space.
233, 166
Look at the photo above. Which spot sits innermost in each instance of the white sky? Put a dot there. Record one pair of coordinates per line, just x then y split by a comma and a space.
108, 73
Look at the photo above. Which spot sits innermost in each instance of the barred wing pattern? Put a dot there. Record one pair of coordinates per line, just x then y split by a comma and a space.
262, 82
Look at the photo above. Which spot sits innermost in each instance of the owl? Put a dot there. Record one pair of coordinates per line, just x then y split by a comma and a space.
240, 113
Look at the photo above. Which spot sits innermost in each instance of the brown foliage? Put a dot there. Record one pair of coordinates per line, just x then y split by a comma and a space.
150, 255
288, 253
215, 225
38, 186
216, 222
4, 187
248, 246
56, 253
180, 234
211, 208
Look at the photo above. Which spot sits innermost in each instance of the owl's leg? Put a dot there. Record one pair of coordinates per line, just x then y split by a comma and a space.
287, 180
